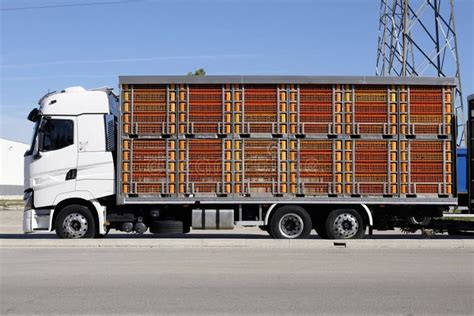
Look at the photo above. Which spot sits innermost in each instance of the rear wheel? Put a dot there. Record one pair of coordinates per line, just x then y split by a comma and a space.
75, 221
290, 222
345, 224
267, 229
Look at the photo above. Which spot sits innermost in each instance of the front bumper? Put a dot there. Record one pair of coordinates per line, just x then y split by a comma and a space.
36, 220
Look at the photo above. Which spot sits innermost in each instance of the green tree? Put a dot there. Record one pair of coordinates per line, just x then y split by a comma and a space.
199, 72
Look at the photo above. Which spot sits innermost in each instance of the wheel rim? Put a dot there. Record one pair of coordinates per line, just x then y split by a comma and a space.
75, 225
291, 225
346, 225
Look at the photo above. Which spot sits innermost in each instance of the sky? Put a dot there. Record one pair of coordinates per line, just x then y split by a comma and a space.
49, 45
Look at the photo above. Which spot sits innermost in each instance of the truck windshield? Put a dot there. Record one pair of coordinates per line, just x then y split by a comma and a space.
33, 139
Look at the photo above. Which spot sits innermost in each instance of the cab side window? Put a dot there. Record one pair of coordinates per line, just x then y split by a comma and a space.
56, 134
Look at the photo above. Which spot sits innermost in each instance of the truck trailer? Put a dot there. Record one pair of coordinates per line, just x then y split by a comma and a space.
289, 154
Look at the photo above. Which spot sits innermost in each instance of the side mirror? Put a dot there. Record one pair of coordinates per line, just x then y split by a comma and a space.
37, 156
34, 115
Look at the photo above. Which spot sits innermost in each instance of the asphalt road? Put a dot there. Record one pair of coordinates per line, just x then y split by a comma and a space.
236, 281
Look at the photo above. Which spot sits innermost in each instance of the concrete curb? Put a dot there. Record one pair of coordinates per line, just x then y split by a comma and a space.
240, 243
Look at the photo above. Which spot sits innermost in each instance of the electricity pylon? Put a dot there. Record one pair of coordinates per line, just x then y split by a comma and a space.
418, 38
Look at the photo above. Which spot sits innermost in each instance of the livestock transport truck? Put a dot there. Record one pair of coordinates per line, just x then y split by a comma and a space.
341, 155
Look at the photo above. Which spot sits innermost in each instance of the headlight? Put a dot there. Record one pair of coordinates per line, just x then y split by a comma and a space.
28, 200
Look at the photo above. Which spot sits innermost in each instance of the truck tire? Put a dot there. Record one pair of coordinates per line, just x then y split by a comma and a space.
419, 220
267, 229
270, 232
75, 221
290, 222
345, 224
321, 230
167, 227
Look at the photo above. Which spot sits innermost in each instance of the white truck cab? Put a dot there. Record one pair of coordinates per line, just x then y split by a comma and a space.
70, 160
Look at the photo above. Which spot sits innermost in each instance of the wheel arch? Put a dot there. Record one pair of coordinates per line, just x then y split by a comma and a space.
367, 214
73, 201
268, 213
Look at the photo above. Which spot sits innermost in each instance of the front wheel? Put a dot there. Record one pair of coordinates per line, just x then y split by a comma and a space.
290, 222
345, 224
75, 221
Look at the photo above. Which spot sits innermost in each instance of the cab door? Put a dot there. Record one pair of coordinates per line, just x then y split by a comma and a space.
54, 164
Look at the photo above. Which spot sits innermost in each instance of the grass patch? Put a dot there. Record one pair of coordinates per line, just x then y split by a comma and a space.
11, 203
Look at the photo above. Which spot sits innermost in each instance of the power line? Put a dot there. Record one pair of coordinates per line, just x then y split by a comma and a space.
68, 5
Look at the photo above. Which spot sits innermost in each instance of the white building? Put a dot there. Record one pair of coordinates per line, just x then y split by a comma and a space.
11, 172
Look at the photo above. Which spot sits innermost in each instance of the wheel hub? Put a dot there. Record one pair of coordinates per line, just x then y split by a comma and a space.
75, 225
291, 225
346, 225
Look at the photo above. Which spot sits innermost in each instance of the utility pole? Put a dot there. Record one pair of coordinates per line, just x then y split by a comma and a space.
418, 38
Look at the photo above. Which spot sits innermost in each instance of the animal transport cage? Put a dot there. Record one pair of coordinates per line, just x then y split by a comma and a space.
296, 137
280, 166
307, 110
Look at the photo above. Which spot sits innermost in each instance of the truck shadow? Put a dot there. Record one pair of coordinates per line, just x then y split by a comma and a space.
226, 236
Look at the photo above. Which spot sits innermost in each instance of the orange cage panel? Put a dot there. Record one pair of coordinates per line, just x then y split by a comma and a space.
428, 112
260, 166
200, 166
316, 166
372, 170
145, 110
260, 109
372, 111
147, 166
205, 109
426, 167
315, 109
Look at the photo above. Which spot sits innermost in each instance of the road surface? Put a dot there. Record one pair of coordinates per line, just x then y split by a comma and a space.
236, 281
